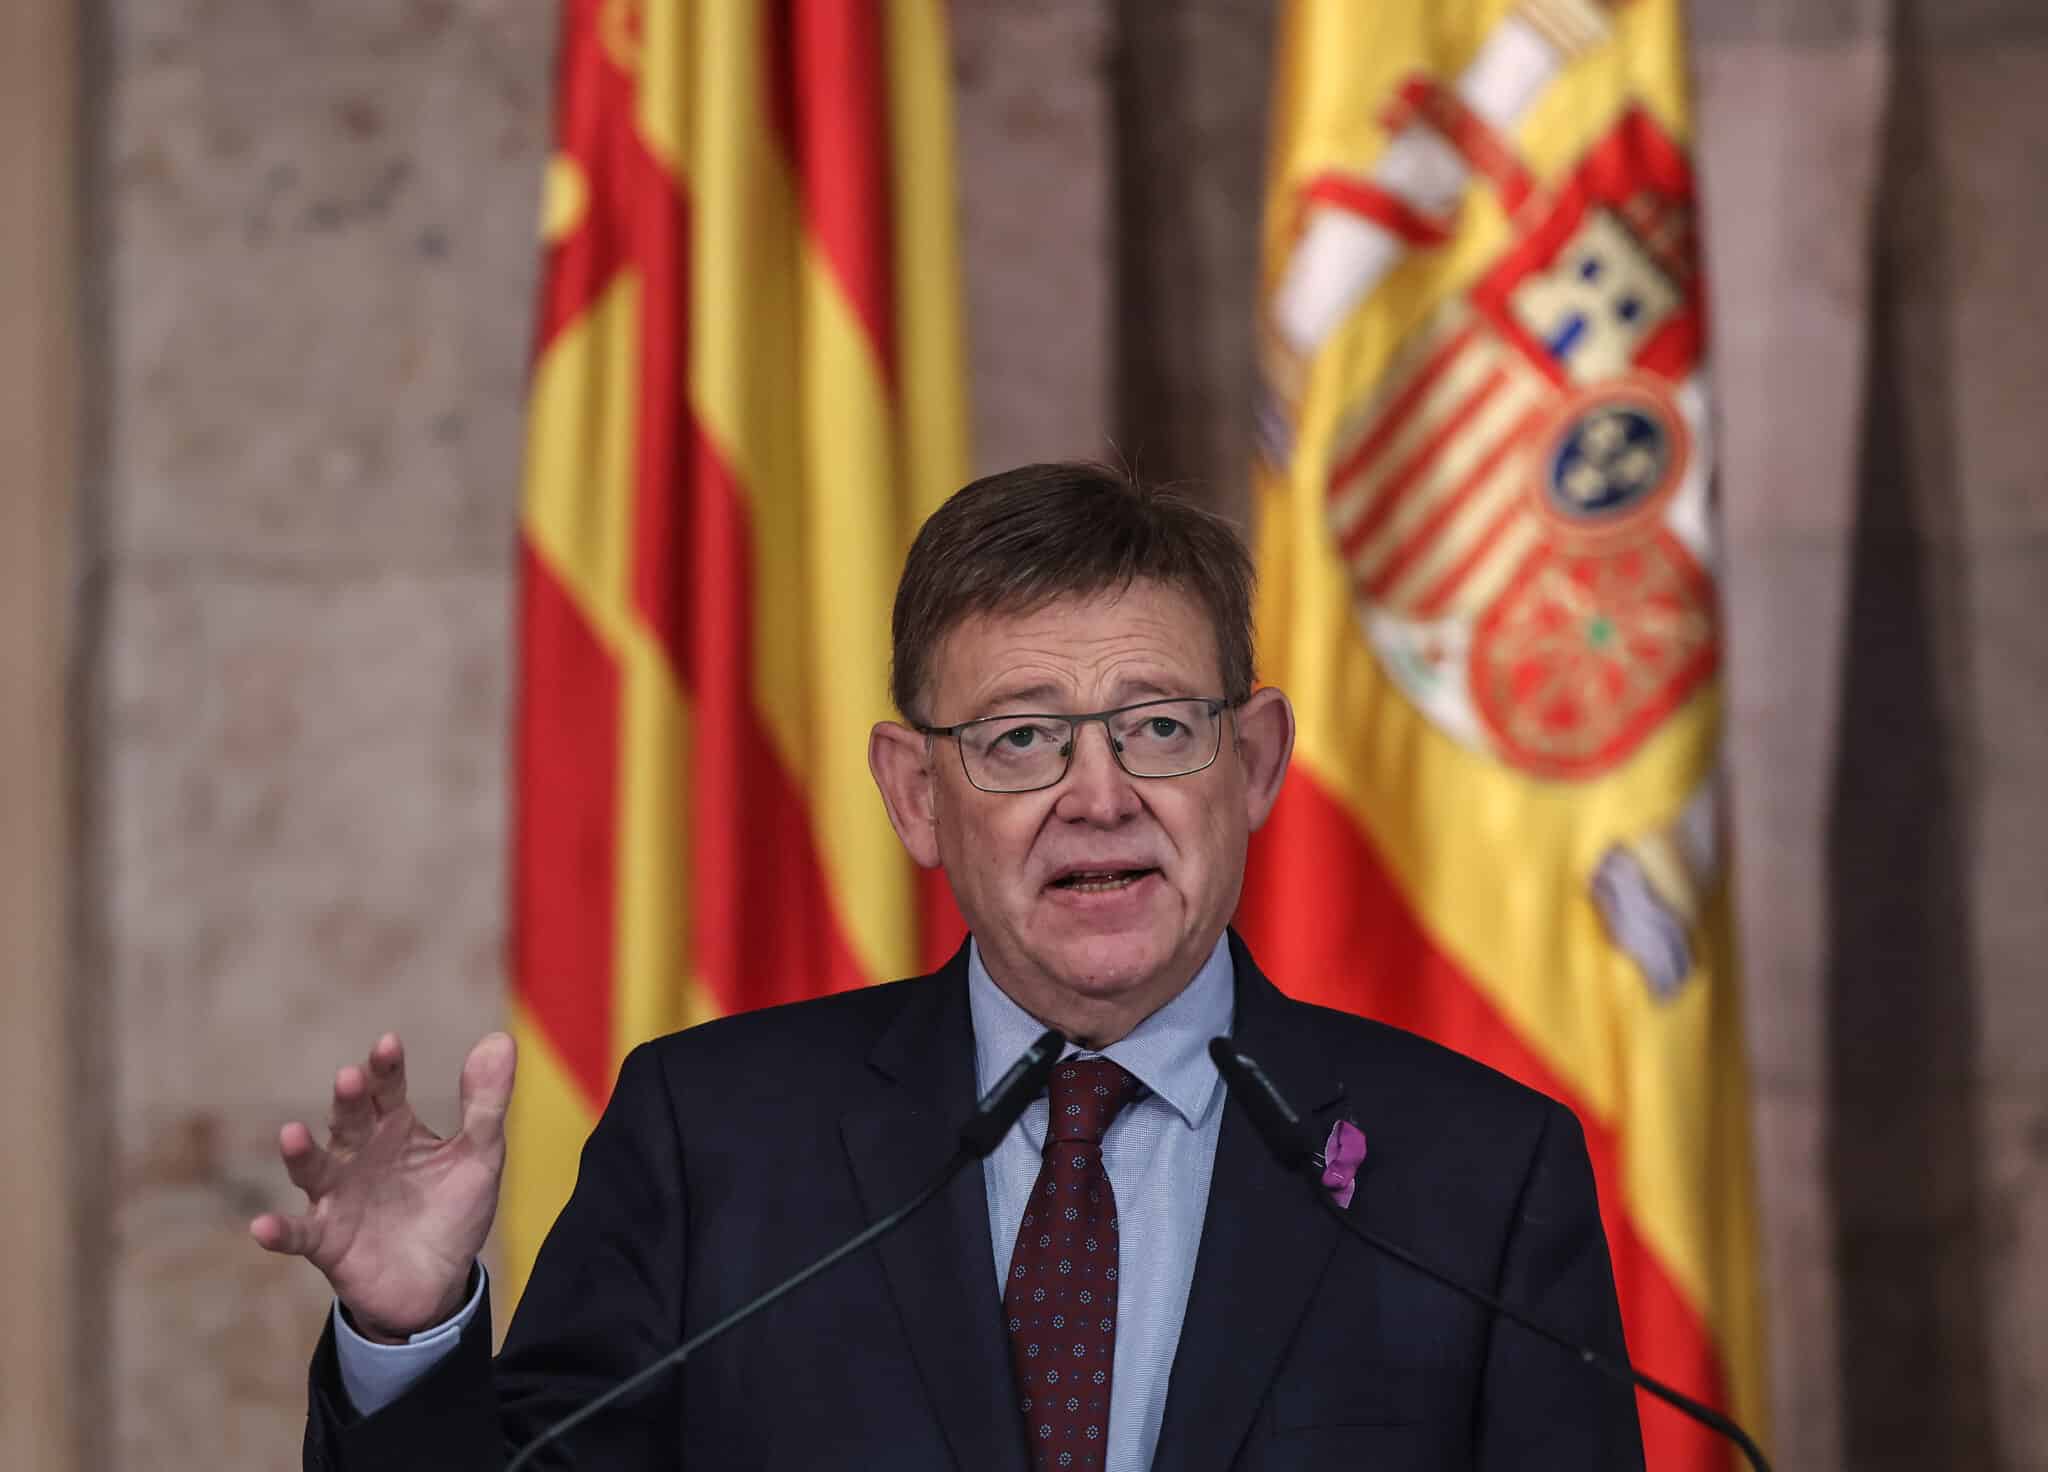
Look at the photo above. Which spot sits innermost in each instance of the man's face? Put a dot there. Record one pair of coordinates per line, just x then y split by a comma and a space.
1094, 900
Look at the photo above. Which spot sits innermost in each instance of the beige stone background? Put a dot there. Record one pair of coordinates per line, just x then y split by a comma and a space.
265, 279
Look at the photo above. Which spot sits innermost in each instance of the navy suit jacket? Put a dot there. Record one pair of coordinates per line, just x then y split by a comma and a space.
734, 1153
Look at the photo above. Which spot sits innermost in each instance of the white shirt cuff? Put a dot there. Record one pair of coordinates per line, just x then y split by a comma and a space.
374, 1375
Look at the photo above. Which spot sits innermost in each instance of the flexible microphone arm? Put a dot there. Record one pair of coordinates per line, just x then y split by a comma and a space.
1279, 1125
993, 1115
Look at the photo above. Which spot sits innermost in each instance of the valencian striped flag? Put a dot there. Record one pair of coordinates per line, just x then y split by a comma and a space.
1488, 555
746, 395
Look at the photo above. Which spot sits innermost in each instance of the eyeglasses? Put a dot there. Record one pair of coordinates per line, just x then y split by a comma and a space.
1154, 738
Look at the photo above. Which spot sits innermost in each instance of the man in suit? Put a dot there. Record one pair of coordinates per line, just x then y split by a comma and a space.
1131, 1280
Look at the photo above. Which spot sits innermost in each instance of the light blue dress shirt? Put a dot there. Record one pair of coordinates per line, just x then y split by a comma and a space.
1159, 1153
374, 1375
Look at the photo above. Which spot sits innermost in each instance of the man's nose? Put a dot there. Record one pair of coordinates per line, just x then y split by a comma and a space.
1096, 788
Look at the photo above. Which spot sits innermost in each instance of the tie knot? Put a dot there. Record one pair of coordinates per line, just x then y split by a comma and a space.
1086, 1094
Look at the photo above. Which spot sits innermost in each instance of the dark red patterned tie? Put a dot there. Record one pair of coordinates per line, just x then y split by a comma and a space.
1060, 1299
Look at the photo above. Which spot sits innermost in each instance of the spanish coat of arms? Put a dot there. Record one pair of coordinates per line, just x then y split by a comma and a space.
1520, 501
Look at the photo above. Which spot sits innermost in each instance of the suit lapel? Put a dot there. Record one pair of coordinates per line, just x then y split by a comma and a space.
940, 1263
1265, 1245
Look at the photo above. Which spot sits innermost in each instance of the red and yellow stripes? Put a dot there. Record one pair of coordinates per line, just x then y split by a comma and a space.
746, 397
1414, 870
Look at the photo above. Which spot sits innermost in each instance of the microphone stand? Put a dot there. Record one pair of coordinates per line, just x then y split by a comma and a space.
1279, 1125
745, 1311
993, 1115
1627, 1374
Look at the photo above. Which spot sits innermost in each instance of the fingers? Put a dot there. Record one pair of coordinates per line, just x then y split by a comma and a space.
365, 1093
353, 1116
310, 1167
387, 1074
297, 1236
487, 1089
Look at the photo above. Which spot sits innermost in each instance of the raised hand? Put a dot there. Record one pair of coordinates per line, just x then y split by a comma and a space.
395, 1214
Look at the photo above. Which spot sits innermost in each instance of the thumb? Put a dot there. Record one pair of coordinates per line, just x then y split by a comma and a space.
487, 1089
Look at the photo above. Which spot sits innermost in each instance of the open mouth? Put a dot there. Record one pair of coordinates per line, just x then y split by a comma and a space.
1100, 881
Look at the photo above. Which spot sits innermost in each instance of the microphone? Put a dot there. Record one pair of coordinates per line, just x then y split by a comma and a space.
993, 1115
1279, 1125
1005, 1102
1260, 1098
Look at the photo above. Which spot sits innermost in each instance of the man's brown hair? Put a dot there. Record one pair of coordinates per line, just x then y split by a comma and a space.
1013, 542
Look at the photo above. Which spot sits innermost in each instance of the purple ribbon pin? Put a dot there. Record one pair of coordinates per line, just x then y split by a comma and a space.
1342, 1156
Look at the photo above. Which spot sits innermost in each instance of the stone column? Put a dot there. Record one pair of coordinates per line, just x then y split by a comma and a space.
40, 1158
318, 256
1037, 183
1790, 105
1875, 238
1192, 83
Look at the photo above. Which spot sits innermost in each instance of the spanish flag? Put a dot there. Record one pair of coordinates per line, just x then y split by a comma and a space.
746, 396
1487, 542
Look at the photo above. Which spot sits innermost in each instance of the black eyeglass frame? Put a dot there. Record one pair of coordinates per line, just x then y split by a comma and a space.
1217, 705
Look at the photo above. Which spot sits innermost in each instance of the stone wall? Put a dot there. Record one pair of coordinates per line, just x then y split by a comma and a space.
309, 278
1879, 236
45, 1140
315, 272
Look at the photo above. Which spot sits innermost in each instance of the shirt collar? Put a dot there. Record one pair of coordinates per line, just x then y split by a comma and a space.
1168, 1052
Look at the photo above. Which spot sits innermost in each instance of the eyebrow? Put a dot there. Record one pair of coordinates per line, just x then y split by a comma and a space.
1015, 698
1018, 699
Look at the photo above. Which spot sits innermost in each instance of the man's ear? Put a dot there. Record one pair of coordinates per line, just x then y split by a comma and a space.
1265, 744
900, 760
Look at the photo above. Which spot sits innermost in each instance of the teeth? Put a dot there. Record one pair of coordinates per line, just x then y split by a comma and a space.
1097, 883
